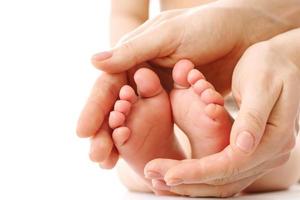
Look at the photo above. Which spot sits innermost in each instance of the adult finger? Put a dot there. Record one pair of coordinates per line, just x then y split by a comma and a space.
101, 144
260, 169
228, 163
158, 168
153, 43
100, 102
111, 161
205, 190
224, 164
257, 99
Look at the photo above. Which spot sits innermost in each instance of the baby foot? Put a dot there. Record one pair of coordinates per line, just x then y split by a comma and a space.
198, 110
143, 125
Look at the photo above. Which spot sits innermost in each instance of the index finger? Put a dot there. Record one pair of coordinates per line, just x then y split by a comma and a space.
156, 42
100, 102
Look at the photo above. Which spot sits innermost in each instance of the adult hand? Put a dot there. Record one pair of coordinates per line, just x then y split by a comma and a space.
266, 85
93, 120
93, 123
223, 39
213, 37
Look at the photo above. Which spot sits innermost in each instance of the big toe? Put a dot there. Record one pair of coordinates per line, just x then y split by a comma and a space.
148, 83
180, 73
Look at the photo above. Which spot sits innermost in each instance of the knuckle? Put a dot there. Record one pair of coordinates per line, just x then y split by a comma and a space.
231, 168
253, 117
220, 181
130, 47
290, 145
232, 171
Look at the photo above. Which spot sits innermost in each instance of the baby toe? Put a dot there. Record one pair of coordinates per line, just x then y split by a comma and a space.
148, 83
194, 75
116, 119
201, 85
122, 106
127, 93
120, 136
180, 73
211, 96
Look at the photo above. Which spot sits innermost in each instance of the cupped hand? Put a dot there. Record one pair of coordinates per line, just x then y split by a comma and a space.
213, 37
93, 120
266, 85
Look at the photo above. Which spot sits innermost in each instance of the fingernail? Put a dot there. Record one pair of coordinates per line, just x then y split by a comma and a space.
174, 182
102, 56
245, 141
152, 175
160, 185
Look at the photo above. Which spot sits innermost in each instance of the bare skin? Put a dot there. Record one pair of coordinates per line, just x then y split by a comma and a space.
142, 125
279, 79
102, 149
110, 160
277, 21
199, 111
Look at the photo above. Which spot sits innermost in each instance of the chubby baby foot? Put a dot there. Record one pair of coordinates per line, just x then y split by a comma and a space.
198, 109
143, 125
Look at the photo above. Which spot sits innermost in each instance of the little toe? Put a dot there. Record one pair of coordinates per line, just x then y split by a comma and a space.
202, 85
116, 119
121, 135
194, 75
148, 83
122, 106
217, 113
127, 93
180, 73
212, 96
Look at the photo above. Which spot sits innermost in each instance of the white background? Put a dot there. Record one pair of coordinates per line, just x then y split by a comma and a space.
45, 78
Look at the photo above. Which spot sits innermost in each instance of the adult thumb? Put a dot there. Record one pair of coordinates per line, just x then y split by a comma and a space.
257, 102
153, 43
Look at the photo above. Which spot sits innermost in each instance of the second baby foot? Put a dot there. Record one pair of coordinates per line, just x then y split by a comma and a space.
143, 125
198, 110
